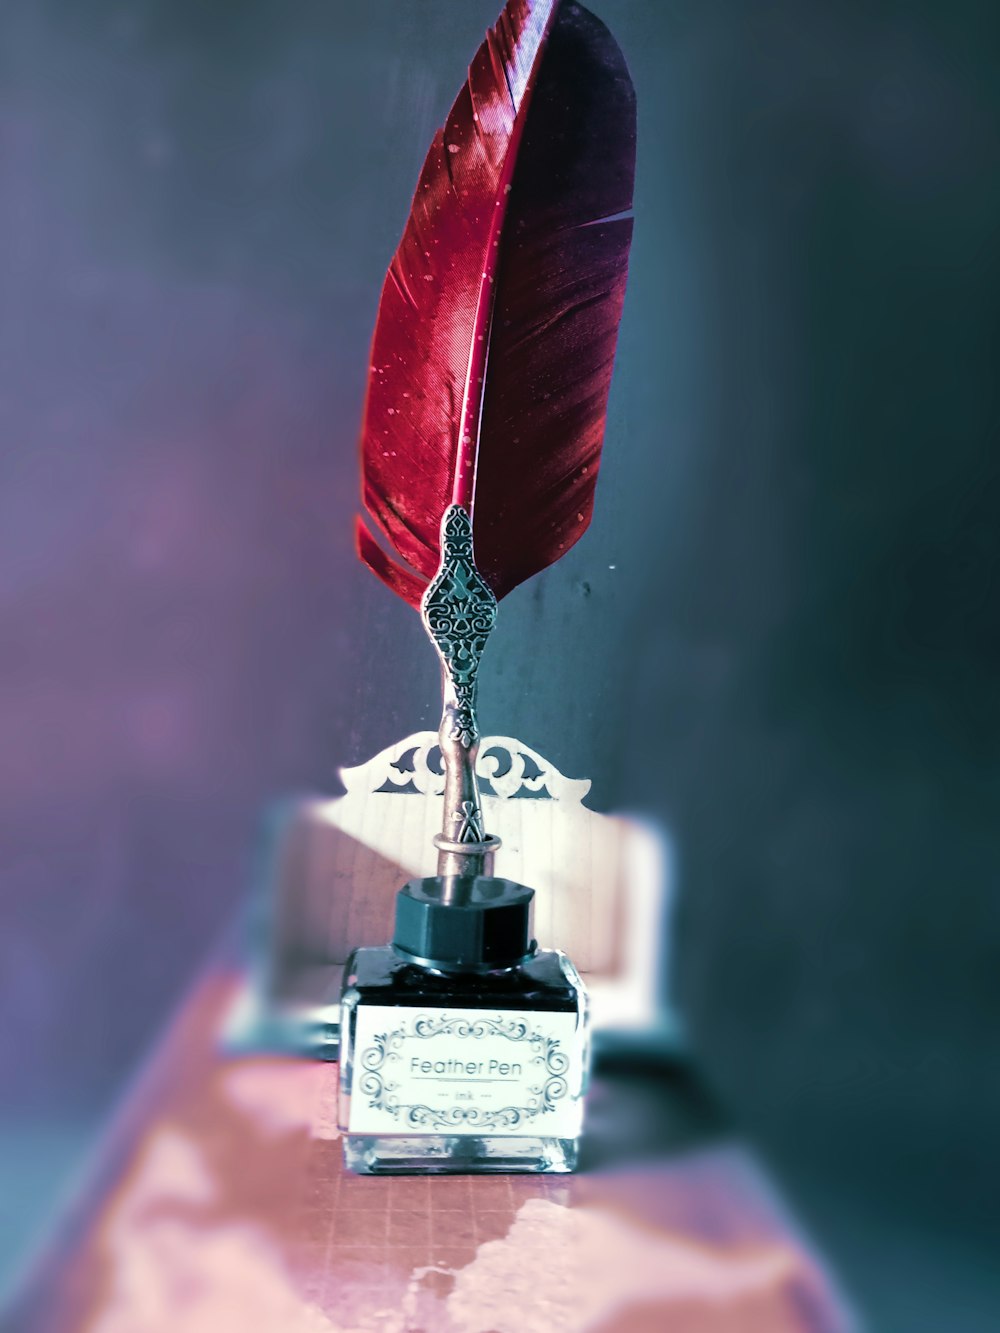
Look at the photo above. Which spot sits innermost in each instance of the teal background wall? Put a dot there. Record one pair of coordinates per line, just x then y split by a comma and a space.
780, 636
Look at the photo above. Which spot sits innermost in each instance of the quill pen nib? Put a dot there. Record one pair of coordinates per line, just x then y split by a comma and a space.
459, 610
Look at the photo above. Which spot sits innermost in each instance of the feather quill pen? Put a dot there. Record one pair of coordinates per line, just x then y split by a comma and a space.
493, 349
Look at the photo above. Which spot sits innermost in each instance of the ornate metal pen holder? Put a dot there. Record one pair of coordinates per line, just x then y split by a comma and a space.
333, 866
459, 611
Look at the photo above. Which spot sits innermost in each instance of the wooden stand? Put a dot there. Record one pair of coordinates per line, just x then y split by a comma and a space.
218, 1205
334, 867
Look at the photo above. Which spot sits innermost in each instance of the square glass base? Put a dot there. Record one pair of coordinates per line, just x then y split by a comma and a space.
422, 1051
456, 1154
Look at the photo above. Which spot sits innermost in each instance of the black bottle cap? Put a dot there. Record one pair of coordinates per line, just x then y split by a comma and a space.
471, 925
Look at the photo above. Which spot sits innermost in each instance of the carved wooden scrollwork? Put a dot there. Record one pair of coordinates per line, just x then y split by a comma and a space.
507, 768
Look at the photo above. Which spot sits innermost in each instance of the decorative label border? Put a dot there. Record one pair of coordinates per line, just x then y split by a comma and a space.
383, 1093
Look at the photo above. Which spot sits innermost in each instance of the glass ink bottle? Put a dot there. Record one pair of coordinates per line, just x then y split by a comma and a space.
464, 1047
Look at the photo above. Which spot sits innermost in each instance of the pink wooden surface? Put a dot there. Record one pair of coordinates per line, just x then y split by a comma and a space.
218, 1205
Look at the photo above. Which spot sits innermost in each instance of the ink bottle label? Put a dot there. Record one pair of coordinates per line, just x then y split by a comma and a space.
421, 1070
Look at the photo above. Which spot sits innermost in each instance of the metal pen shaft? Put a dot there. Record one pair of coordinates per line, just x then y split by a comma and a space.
459, 611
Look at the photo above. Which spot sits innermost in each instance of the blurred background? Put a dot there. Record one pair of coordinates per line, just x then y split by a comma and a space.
780, 637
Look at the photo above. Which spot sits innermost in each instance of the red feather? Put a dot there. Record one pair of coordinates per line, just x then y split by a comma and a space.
495, 337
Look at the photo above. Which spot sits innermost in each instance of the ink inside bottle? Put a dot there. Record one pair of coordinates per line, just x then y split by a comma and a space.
464, 1047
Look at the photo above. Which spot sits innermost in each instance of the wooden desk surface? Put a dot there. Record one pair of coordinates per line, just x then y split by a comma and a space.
218, 1205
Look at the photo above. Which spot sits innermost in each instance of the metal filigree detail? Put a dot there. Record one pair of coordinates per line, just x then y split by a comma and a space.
470, 821
459, 611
